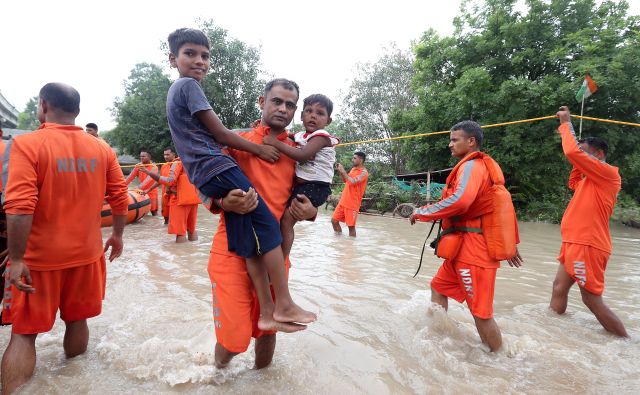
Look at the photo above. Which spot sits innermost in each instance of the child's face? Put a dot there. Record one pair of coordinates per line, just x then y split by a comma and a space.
315, 117
192, 61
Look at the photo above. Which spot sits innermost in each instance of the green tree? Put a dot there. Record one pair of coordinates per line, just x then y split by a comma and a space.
501, 64
379, 89
140, 115
232, 87
28, 119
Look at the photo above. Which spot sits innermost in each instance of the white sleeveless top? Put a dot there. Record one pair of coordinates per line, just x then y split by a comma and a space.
321, 167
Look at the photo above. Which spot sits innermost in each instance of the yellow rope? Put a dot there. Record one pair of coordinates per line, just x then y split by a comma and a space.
495, 125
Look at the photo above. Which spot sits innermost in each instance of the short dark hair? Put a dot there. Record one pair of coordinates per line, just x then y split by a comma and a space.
61, 96
361, 154
320, 99
283, 82
91, 125
146, 151
597, 143
169, 149
471, 129
184, 36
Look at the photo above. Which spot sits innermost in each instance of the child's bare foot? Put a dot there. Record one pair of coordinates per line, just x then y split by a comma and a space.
267, 323
293, 313
193, 236
181, 239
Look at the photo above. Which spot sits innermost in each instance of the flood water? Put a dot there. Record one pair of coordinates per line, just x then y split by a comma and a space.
373, 335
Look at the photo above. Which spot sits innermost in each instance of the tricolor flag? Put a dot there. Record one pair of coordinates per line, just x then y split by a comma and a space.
587, 89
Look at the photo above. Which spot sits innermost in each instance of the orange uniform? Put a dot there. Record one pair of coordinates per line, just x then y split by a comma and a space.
183, 218
145, 182
60, 175
586, 241
355, 184
166, 190
471, 274
235, 305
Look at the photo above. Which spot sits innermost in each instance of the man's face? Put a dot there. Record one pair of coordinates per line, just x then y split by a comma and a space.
92, 131
145, 157
356, 160
278, 107
192, 61
459, 144
169, 156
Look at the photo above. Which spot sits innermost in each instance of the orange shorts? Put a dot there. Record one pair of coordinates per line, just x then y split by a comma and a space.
78, 293
166, 205
474, 284
585, 264
235, 304
182, 219
346, 215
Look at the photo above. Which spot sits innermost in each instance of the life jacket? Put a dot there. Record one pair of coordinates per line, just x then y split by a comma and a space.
187, 192
496, 212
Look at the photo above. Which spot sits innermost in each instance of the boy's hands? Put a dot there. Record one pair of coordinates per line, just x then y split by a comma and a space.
268, 153
270, 140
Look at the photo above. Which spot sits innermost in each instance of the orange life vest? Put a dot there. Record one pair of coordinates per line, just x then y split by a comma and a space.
187, 192
498, 216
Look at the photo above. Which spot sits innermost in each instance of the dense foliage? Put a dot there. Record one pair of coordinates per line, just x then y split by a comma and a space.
232, 88
502, 64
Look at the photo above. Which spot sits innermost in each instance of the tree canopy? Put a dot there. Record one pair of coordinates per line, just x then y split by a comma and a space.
502, 64
232, 87
28, 119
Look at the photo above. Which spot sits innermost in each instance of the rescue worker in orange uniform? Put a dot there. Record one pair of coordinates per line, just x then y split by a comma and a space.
586, 242
236, 310
169, 157
468, 272
183, 201
58, 178
145, 182
355, 183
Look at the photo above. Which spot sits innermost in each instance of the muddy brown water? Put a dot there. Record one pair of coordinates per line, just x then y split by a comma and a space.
373, 335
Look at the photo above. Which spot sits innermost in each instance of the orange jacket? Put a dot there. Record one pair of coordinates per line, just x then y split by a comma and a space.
355, 185
61, 175
468, 180
273, 181
164, 172
145, 181
596, 185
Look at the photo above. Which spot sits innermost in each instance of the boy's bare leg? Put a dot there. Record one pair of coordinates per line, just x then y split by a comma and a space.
352, 231
286, 228
193, 236
18, 362
181, 239
260, 278
336, 226
285, 309
605, 316
560, 293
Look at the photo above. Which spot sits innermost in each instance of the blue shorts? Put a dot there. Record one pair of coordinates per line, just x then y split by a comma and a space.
251, 234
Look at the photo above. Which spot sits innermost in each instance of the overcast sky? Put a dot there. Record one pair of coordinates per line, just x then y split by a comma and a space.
94, 45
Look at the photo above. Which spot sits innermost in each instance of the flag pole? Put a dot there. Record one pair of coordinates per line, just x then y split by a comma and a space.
581, 112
